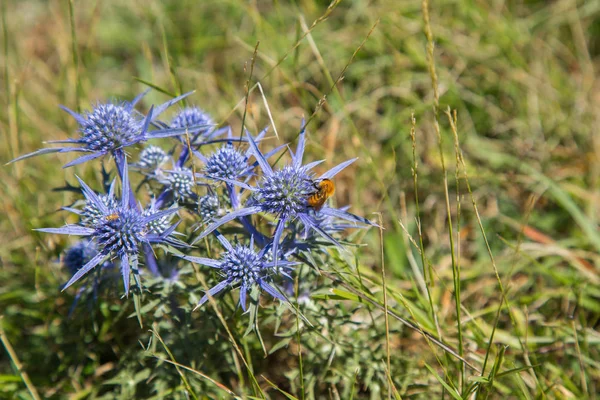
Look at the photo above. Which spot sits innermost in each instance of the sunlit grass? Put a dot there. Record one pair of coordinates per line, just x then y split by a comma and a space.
491, 238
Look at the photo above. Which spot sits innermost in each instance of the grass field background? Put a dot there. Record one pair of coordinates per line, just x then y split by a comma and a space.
491, 247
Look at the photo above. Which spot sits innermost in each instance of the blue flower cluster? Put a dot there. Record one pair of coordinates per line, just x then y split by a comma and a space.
217, 179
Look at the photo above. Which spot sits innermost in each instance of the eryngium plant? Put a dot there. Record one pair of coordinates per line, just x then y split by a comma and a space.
118, 231
227, 179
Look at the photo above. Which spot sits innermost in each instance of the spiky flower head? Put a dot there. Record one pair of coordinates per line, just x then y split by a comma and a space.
227, 162
92, 215
108, 127
190, 117
160, 225
208, 207
78, 255
241, 266
111, 127
120, 232
180, 181
284, 193
152, 158
280, 268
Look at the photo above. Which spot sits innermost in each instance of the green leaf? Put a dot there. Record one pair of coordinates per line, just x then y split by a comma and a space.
282, 343
449, 388
149, 306
335, 294
10, 378
155, 87
138, 306
515, 371
286, 394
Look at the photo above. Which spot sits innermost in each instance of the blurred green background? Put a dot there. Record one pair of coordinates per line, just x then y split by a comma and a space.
522, 78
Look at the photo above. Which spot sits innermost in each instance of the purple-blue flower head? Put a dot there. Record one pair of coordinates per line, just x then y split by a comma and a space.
229, 163
190, 117
159, 225
109, 128
208, 207
241, 266
120, 232
284, 193
152, 158
91, 214
180, 183
78, 255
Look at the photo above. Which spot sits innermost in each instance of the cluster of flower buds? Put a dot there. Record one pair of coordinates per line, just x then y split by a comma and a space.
211, 175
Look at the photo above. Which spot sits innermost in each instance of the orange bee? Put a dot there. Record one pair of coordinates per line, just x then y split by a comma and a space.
112, 217
325, 189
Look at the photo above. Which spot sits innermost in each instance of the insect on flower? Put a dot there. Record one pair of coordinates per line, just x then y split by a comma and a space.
284, 192
325, 189
112, 217
123, 232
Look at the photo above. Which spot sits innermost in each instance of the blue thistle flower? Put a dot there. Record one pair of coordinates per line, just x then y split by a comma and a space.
191, 117
208, 207
91, 214
119, 232
180, 183
241, 265
152, 158
284, 193
78, 255
160, 225
227, 162
109, 128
